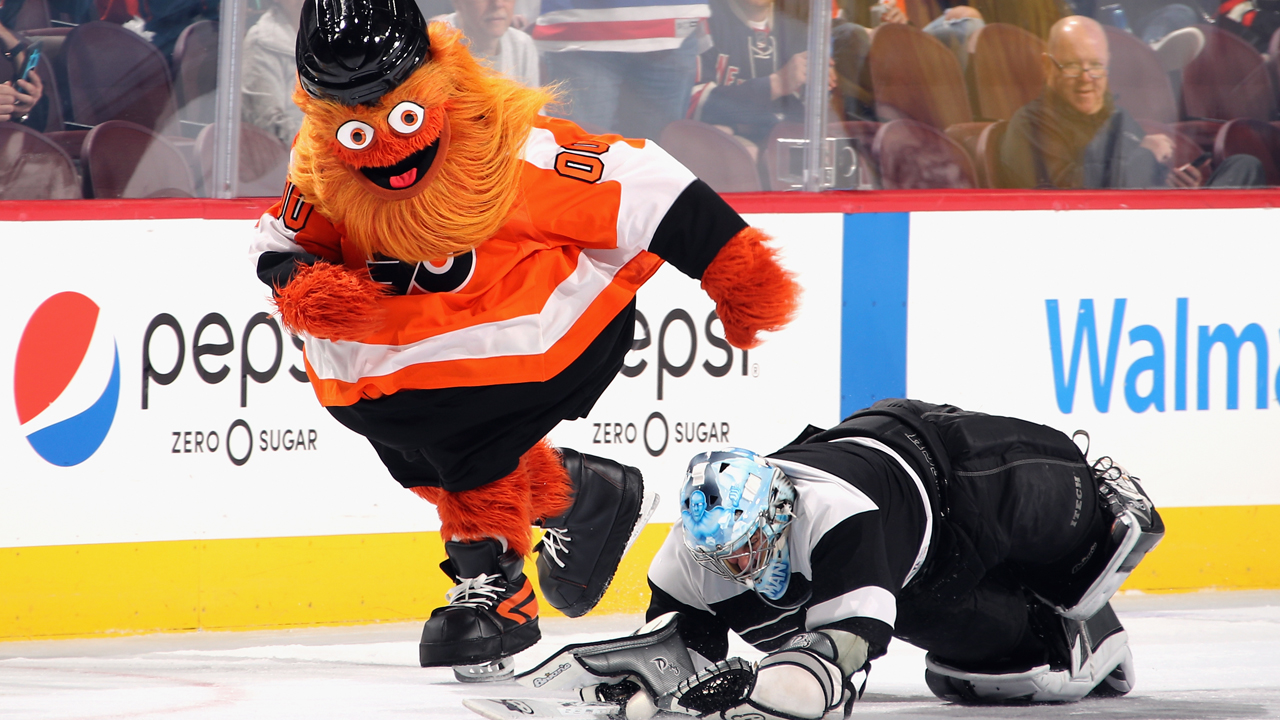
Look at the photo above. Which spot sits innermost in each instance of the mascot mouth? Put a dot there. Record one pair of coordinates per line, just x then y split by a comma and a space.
406, 173
410, 176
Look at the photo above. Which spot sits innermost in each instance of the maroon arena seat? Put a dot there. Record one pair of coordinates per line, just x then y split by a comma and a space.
966, 135
113, 74
195, 71
916, 77
1007, 69
125, 160
1245, 136
912, 155
1137, 79
987, 154
712, 154
264, 161
1228, 80
32, 167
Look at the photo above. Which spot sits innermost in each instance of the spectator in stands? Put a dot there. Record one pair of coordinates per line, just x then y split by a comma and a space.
756, 70
20, 100
269, 71
952, 28
487, 26
625, 66
1253, 20
1074, 136
166, 19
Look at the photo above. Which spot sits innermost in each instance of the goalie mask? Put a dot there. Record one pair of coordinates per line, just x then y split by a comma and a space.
735, 508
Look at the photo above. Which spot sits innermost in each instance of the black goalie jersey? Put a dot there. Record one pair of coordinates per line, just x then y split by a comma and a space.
862, 531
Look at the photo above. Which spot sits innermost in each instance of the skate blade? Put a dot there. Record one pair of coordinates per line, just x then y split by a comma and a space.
504, 668
648, 504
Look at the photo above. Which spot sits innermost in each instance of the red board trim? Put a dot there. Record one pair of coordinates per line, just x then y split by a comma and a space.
606, 30
775, 202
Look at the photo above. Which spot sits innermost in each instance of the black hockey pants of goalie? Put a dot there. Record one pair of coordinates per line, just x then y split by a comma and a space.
1023, 518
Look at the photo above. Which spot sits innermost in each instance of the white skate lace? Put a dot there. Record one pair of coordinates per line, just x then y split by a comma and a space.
554, 542
479, 591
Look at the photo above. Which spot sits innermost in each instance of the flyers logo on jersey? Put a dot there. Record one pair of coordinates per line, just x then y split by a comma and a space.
66, 382
425, 277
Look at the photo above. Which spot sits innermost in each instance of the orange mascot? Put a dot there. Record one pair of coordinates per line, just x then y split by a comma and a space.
462, 272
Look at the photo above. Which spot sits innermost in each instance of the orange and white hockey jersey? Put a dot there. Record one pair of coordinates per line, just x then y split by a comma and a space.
598, 216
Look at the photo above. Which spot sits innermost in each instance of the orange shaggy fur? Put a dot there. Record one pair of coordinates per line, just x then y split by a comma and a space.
478, 182
330, 302
751, 290
539, 488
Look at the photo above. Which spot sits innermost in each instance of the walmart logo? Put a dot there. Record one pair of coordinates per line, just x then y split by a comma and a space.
1146, 380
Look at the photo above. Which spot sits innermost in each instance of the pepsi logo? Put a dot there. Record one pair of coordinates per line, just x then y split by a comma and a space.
66, 382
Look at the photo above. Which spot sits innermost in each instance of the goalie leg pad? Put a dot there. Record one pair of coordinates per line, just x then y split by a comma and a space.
1135, 531
1098, 654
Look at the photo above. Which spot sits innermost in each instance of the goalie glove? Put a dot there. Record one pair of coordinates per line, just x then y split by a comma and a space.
653, 659
800, 681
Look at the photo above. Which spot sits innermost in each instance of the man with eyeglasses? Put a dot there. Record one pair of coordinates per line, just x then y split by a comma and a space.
1074, 136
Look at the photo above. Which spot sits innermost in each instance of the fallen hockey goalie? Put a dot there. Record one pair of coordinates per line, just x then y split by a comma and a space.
990, 542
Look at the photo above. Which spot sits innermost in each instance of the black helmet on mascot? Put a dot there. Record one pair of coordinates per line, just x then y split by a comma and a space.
355, 51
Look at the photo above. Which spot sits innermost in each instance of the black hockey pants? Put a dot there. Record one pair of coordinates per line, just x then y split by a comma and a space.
1016, 514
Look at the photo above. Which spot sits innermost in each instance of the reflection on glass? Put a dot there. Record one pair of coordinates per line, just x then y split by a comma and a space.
489, 28
1056, 94
268, 71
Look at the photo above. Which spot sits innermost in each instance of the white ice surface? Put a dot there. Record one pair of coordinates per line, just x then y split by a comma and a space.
1206, 655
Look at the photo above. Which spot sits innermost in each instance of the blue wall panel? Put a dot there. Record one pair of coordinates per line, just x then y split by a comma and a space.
873, 357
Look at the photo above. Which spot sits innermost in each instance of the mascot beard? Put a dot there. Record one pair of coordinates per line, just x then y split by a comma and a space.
430, 171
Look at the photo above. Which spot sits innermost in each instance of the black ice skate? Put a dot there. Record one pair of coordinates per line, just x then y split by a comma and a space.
580, 549
492, 613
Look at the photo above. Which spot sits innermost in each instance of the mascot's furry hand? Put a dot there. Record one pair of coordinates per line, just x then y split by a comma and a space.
751, 290
330, 302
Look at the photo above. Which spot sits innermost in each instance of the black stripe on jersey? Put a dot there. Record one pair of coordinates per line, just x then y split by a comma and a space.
463, 437
277, 269
698, 224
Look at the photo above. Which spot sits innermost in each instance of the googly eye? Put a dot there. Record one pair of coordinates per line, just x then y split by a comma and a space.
355, 135
405, 118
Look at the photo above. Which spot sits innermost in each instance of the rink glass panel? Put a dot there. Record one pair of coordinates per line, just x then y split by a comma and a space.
919, 105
